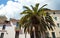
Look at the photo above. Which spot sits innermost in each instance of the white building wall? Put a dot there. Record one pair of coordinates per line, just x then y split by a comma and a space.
57, 29
11, 29
11, 32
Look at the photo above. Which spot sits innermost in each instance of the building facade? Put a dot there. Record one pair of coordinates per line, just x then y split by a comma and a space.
10, 30
56, 17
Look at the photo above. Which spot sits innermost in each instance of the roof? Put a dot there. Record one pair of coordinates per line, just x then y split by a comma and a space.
7, 23
4, 22
2, 19
14, 20
52, 11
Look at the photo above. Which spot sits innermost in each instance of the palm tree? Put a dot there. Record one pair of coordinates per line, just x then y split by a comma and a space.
37, 18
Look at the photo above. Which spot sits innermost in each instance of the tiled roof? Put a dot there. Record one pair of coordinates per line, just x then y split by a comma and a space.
2, 19
52, 11
14, 20
7, 23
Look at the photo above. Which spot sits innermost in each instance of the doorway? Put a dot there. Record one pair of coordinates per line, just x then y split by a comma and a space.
17, 34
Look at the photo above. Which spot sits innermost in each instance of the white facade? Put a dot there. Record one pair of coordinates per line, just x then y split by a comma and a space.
56, 18
11, 31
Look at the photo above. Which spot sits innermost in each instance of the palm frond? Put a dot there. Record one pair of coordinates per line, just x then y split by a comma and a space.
40, 9
26, 7
24, 19
35, 9
26, 12
36, 18
50, 20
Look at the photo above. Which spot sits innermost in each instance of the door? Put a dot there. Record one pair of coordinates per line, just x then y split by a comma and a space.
17, 34
2, 35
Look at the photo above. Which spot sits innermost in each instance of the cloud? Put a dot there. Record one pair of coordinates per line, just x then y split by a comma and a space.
13, 8
1, 6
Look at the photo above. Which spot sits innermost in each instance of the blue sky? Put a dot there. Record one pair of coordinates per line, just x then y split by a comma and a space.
5, 1
12, 8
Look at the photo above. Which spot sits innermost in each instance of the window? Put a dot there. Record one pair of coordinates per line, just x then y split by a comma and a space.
17, 24
58, 24
47, 34
4, 27
59, 32
54, 13
53, 35
55, 18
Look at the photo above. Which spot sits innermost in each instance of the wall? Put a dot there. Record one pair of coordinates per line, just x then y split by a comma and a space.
10, 31
57, 29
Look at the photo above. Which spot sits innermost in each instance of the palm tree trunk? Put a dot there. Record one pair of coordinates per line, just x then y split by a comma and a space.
25, 34
37, 33
32, 34
43, 35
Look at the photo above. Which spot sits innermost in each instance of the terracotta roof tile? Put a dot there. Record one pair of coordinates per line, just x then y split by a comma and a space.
14, 20
7, 23
52, 11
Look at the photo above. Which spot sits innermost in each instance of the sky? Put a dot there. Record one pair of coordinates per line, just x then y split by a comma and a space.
12, 8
